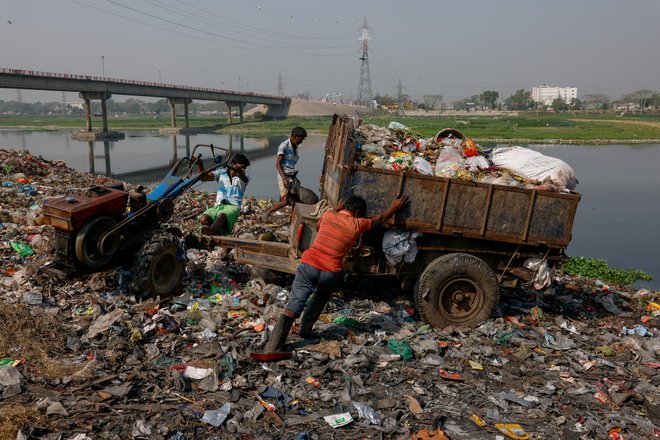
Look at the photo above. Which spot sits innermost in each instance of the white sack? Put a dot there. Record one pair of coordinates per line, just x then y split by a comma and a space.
534, 165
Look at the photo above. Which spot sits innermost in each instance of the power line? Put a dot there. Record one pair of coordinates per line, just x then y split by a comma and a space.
264, 31
185, 26
197, 37
250, 35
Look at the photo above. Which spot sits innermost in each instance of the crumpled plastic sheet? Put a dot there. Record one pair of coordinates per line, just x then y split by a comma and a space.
400, 246
367, 413
542, 278
217, 417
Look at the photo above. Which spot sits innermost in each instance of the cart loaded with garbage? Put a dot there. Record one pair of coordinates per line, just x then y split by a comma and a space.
478, 220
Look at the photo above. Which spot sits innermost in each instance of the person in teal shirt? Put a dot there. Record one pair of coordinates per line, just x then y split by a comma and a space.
232, 181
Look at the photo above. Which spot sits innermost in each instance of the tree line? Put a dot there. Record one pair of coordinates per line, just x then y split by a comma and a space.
131, 106
487, 100
522, 100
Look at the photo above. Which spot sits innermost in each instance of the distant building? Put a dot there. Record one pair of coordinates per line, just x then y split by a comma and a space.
333, 97
546, 94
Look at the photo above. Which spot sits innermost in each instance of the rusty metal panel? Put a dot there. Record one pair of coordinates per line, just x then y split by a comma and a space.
338, 161
466, 208
380, 187
552, 220
508, 209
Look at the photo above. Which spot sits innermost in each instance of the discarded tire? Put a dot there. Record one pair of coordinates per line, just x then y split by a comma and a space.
158, 266
456, 289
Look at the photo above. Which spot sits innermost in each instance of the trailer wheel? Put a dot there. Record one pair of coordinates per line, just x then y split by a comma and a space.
158, 266
456, 289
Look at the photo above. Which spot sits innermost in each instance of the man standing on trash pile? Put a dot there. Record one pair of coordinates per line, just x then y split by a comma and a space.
320, 267
287, 182
232, 181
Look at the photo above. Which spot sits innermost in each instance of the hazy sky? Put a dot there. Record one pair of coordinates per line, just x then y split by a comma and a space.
453, 48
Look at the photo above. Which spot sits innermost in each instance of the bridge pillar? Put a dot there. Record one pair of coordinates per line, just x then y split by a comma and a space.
186, 125
88, 134
88, 115
240, 111
229, 116
172, 111
104, 114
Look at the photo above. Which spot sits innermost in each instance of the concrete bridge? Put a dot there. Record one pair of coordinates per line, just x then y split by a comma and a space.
101, 88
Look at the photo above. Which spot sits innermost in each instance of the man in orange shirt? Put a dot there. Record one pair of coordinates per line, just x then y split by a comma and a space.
319, 272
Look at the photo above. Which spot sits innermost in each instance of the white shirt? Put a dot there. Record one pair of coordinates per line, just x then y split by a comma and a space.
230, 190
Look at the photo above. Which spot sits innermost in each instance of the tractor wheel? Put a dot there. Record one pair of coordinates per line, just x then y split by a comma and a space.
158, 266
458, 290
88, 238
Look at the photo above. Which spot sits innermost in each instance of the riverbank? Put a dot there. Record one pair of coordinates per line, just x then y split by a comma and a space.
520, 129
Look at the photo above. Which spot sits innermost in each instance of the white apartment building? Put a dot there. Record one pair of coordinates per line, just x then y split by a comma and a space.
546, 94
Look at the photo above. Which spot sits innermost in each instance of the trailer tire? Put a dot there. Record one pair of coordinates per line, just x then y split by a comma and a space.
456, 289
158, 266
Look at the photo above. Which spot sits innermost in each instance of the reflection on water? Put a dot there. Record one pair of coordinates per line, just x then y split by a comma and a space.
145, 157
616, 219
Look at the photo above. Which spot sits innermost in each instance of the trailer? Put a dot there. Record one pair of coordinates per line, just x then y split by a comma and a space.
475, 236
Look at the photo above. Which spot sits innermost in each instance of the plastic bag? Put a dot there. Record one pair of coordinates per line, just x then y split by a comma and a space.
449, 163
23, 250
373, 148
216, 417
470, 148
402, 348
534, 165
400, 246
476, 163
542, 268
422, 166
366, 413
397, 126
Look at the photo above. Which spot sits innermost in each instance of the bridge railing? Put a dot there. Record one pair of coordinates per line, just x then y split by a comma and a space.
75, 76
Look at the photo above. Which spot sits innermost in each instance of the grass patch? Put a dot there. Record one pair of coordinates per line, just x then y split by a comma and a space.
40, 338
561, 127
598, 268
15, 418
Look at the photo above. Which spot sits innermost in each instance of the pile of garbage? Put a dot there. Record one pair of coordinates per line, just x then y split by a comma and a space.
86, 359
450, 154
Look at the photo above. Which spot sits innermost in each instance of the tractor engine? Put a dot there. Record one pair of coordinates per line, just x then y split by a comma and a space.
81, 219
94, 231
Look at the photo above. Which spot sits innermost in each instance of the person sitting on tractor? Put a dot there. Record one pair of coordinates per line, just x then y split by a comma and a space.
232, 181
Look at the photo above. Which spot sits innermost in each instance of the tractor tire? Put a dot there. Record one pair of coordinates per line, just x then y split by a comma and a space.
87, 244
458, 290
158, 266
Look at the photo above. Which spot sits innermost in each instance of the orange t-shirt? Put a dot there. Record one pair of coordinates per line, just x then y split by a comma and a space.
337, 232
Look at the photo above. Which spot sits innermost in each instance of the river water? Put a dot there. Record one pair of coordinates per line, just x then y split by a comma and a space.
616, 219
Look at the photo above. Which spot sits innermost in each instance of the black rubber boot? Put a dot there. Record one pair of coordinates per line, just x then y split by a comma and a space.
311, 315
278, 335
